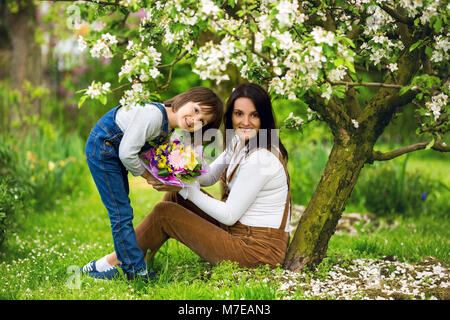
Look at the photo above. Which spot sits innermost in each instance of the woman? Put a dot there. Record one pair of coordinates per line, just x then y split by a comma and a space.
249, 225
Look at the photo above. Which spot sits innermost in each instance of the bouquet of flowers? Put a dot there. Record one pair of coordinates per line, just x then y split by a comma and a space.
174, 163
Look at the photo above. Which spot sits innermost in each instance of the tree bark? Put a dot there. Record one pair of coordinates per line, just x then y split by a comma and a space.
318, 223
26, 55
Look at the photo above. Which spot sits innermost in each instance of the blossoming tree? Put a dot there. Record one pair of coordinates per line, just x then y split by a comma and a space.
320, 52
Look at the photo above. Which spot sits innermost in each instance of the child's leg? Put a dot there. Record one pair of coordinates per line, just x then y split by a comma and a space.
112, 184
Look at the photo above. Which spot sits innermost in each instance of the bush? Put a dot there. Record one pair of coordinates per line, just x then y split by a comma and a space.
53, 164
13, 189
387, 189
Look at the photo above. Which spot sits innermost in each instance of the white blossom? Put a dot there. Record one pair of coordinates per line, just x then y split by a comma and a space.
286, 9
81, 43
392, 66
208, 7
320, 35
96, 89
98, 25
337, 74
436, 104
327, 93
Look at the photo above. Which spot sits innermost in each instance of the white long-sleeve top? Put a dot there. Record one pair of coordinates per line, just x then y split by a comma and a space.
139, 123
258, 189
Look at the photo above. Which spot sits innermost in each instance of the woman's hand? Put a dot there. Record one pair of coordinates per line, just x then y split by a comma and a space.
156, 184
164, 187
151, 180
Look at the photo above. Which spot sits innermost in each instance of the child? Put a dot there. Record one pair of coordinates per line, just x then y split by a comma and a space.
112, 149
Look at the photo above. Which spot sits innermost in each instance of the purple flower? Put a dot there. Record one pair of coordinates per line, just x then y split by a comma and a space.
424, 196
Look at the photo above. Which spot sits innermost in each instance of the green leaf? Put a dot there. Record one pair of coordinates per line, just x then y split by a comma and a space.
82, 100
338, 62
437, 25
350, 66
415, 45
103, 99
428, 51
163, 173
404, 89
80, 91
430, 144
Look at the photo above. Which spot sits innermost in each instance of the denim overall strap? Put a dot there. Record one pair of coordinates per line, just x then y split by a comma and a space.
108, 124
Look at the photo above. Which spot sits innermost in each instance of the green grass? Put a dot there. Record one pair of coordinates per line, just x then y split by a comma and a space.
408, 239
39, 258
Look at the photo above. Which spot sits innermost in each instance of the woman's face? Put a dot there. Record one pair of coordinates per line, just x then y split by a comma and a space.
190, 117
245, 118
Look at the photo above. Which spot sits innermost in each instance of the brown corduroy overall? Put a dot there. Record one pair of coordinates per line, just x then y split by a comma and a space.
177, 218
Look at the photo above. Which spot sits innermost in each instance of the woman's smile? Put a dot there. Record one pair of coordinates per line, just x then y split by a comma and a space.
245, 118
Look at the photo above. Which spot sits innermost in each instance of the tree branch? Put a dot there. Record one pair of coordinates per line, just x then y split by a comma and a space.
330, 112
380, 156
396, 15
366, 84
106, 3
181, 56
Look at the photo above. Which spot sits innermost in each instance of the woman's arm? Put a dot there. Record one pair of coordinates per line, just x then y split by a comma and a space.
245, 188
216, 169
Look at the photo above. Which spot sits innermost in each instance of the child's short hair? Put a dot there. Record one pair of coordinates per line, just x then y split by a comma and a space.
206, 98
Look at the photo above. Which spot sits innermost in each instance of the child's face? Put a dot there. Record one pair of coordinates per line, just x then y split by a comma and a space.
190, 117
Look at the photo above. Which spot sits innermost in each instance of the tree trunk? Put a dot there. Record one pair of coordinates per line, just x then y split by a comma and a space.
318, 223
26, 56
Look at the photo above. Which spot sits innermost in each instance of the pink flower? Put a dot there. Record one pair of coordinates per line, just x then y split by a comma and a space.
176, 159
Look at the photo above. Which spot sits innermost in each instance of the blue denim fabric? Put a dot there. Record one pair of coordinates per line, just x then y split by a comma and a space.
110, 177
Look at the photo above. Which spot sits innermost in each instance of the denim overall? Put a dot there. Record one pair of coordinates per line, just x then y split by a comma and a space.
110, 177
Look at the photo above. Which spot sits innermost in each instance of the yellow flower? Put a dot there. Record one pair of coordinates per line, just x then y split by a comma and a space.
190, 157
162, 162
31, 156
62, 163
51, 165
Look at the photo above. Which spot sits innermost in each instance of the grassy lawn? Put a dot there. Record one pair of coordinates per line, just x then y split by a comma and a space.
43, 251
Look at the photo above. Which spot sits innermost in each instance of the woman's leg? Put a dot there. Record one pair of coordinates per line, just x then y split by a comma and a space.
175, 198
209, 241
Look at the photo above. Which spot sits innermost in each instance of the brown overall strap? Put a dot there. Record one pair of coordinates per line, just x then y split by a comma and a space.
288, 197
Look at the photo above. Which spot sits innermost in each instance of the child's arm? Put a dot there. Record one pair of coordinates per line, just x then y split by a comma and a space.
145, 124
